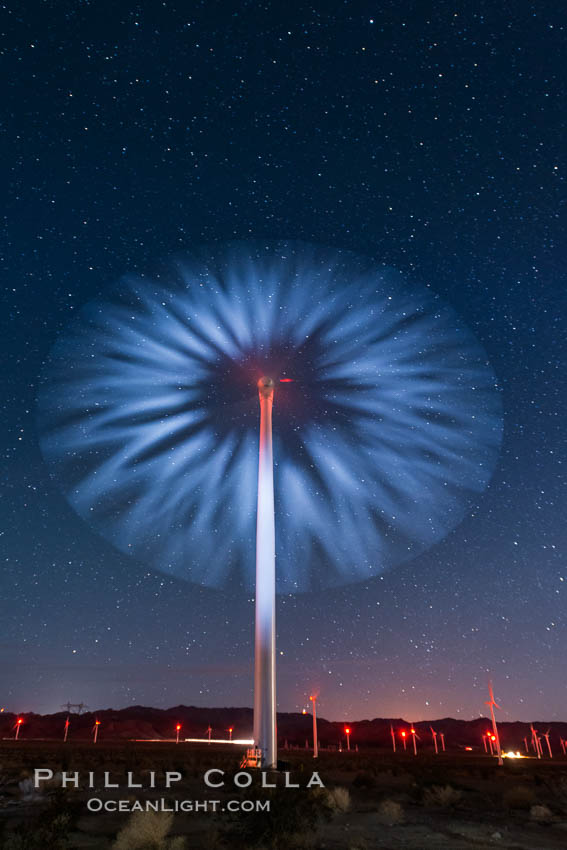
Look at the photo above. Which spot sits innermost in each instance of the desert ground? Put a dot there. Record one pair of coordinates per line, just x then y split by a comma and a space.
372, 799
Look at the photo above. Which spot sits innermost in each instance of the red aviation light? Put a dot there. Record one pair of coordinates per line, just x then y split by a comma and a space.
178, 727
97, 722
412, 731
286, 380
347, 730
19, 721
403, 734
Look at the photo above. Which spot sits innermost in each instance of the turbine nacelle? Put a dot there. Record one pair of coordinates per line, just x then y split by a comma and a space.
266, 387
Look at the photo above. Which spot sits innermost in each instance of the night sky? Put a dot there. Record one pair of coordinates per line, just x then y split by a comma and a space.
427, 137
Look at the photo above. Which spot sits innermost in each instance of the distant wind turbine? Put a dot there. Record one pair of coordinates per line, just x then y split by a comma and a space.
493, 704
536, 744
414, 735
434, 734
313, 699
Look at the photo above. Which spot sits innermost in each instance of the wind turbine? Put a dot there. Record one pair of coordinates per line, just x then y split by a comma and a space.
393, 737
493, 704
232, 323
434, 734
315, 741
536, 743
18, 725
442, 736
95, 731
546, 736
66, 729
414, 735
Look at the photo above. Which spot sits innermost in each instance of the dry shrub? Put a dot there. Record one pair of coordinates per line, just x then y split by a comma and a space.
49, 831
148, 831
540, 814
291, 822
28, 792
519, 797
444, 797
4, 780
390, 813
338, 799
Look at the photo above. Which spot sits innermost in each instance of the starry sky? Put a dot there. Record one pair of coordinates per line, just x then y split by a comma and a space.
427, 137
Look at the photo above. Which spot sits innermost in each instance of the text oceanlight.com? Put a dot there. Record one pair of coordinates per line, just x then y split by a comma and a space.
95, 804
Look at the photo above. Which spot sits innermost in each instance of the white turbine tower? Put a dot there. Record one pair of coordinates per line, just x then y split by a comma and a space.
265, 631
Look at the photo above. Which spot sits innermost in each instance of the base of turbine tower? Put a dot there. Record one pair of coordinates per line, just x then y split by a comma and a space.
252, 758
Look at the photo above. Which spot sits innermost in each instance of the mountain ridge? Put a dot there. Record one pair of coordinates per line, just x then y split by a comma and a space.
139, 722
